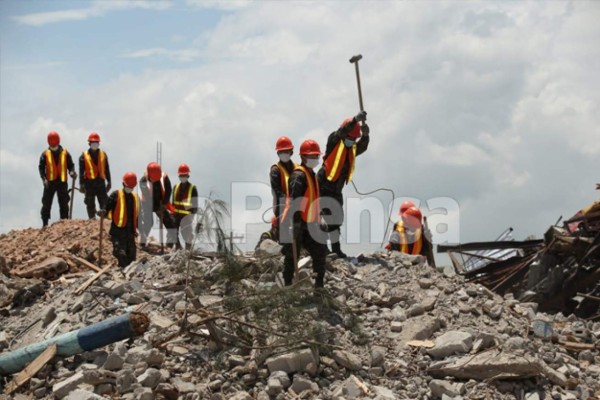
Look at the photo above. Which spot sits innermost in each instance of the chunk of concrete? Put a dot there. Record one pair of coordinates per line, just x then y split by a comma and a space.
347, 360
292, 362
452, 342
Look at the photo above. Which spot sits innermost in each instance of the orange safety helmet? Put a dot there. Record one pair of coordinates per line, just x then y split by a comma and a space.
412, 217
154, 171
310, 148
355, 132
130, 180
405, 206
284, 143
183, 169
53, 139
94, 137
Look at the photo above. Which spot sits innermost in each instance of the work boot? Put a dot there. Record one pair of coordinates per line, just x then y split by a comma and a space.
319, 281
337, 249
44, 223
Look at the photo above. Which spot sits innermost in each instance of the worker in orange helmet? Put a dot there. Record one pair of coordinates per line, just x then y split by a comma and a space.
123, 208
185, 203
343, 146
55, 163
94, 175
155, 188
410, 236
279, 176
301, 218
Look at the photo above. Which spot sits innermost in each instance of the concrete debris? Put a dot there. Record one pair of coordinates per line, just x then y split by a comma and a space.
384, 328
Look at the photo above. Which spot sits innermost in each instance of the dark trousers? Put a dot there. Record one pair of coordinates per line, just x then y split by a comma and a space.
147, 221
94, 189
62, 189
315, 247
123, 248
334, 217
184, 224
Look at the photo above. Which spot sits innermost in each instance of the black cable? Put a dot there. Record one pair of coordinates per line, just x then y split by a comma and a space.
375, 191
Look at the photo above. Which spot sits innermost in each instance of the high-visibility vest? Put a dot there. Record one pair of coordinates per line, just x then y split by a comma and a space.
56, 170
284, 175
182, 203
310, 208
119, 214
93, 171
404, 245
334, 162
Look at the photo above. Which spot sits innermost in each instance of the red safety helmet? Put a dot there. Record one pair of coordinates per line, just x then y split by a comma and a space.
94, 137
412, 217
310, 148
130, 180
405, 206
53, 139
284, 143
154, 171
183, 169
355, 132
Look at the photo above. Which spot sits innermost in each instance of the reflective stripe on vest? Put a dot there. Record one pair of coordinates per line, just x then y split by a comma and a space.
310, 209
336, 159
150, 185
284, 175
404, 245
52, 169
181, 205
92, 171
119, 216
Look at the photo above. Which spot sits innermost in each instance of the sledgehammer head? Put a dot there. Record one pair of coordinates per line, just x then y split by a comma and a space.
356, 58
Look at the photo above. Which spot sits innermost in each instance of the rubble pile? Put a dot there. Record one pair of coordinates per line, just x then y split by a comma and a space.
222, 327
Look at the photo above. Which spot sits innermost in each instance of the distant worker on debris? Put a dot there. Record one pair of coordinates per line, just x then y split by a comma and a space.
185, 203
123, 207
409, 236
54, 164
302, 216
155, 187
94, 175
279, 176
343, 146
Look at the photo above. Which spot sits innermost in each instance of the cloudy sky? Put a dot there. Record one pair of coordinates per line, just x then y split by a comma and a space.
494, 105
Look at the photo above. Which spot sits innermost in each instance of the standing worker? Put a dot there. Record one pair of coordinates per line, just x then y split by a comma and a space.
343, 146
123, 208
55, 161
302, 217
410, 237
94, 175
155, 187
185, 203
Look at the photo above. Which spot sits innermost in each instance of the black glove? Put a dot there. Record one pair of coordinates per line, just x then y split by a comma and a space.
81, 188
361, 116
108, 187
46, 183
597, 186
101, 213
365, 129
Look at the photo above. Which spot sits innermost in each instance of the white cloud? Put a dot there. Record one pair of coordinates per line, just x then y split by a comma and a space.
97, 8
229, 5
181, 55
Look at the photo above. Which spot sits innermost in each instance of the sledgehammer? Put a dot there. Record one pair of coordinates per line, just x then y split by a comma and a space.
354, 60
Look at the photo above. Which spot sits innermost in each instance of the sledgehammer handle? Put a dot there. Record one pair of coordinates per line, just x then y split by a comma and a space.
354, 60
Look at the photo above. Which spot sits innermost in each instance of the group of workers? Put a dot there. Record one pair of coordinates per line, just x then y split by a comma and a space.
175, 206
307, 206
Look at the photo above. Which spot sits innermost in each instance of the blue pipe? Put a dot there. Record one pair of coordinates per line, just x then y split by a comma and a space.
87, 338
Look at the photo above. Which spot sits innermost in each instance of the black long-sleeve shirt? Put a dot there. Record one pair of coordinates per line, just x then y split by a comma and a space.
276, 189
332, 141
94, 154
55, 156
111, 203
158, 198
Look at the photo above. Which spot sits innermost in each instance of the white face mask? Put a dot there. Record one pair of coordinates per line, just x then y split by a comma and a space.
312, 162
53, 148
94, 146
285, 157
183, 179
128, 189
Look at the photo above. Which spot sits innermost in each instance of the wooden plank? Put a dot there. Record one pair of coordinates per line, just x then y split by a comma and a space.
85, 263
87, 283
575, 346
30, 370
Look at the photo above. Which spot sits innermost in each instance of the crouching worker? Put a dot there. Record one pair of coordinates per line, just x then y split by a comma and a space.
410, 237
122, 207
300, 222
